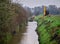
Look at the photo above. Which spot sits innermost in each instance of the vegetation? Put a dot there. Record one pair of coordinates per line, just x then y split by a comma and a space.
48, 29
13, 20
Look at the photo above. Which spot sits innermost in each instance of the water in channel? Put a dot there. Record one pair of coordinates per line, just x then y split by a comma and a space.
30, 37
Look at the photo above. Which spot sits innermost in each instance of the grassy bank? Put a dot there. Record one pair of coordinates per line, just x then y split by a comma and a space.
48, 29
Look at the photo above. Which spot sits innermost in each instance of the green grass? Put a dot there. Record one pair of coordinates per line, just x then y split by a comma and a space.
47, 27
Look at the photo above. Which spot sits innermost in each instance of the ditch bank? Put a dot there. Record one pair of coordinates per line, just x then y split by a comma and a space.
48, 29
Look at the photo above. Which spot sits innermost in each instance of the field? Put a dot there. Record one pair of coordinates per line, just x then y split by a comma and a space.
48, 29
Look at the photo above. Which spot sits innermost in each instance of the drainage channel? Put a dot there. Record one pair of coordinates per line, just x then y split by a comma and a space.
30, 36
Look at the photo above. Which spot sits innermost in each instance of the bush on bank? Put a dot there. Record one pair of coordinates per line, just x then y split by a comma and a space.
13, 19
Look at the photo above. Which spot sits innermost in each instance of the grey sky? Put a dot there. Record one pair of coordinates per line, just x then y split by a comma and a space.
33, 3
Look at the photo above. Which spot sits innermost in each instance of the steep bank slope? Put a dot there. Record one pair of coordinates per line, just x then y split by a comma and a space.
48, 29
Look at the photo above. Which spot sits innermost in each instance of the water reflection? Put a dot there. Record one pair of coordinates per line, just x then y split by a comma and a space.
30, 37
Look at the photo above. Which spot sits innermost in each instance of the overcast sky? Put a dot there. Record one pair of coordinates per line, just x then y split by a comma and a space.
33, 3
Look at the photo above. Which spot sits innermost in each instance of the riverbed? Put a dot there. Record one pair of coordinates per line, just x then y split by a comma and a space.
30, 36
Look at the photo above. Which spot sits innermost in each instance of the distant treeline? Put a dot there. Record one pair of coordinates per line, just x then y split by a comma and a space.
52, 9
13, 19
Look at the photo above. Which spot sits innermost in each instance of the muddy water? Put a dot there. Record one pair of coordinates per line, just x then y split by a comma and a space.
30, 37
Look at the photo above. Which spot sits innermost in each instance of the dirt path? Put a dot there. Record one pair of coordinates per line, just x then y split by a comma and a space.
30, 37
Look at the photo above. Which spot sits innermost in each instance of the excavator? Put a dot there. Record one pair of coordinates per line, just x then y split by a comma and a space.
46, 12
